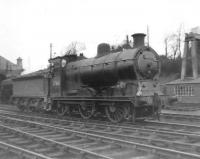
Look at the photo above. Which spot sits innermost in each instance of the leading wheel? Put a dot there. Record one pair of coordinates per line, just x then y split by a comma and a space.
115, 113
87, 110
62, 109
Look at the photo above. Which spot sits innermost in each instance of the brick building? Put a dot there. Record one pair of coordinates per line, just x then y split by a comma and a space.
9, 69
187, 91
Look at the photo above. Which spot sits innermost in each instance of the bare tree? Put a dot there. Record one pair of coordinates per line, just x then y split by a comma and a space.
173, 43
73, 48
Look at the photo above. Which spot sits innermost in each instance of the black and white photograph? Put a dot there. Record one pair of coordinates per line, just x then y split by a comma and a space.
99, 79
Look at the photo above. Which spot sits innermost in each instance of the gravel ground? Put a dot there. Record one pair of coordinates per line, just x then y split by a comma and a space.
8, 155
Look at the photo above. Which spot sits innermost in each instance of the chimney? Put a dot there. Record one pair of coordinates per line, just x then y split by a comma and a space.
138, 39
103, 49
19, 62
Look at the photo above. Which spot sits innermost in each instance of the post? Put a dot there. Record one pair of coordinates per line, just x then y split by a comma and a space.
184, 59
194, 58
50, 50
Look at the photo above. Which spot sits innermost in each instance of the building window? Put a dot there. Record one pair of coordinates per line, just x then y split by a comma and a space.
183, 90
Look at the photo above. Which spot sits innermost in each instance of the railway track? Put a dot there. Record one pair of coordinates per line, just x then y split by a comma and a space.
153, 141
39, 146
14, 152
152, 125
181, 117
82, 144
171, 117
183, 108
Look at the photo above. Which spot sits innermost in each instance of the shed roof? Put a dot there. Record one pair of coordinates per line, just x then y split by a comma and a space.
187, 80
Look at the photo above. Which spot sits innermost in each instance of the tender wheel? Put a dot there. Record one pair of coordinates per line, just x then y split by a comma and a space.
21, 108
62, 109
32, 109
87, 110
21, 105
115, 113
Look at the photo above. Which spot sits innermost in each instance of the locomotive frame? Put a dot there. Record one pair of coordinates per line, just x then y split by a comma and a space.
107, 85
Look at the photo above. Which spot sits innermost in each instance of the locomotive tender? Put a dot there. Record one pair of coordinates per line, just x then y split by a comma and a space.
120, 85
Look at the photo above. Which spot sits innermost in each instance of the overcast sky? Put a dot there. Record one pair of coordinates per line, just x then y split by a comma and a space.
27, 27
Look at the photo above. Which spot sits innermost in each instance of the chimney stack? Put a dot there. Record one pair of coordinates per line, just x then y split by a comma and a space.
138, 39
194, 58
19, 62
193, 38
184, 59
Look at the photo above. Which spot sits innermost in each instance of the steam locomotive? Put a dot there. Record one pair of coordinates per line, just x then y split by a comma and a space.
121, 85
